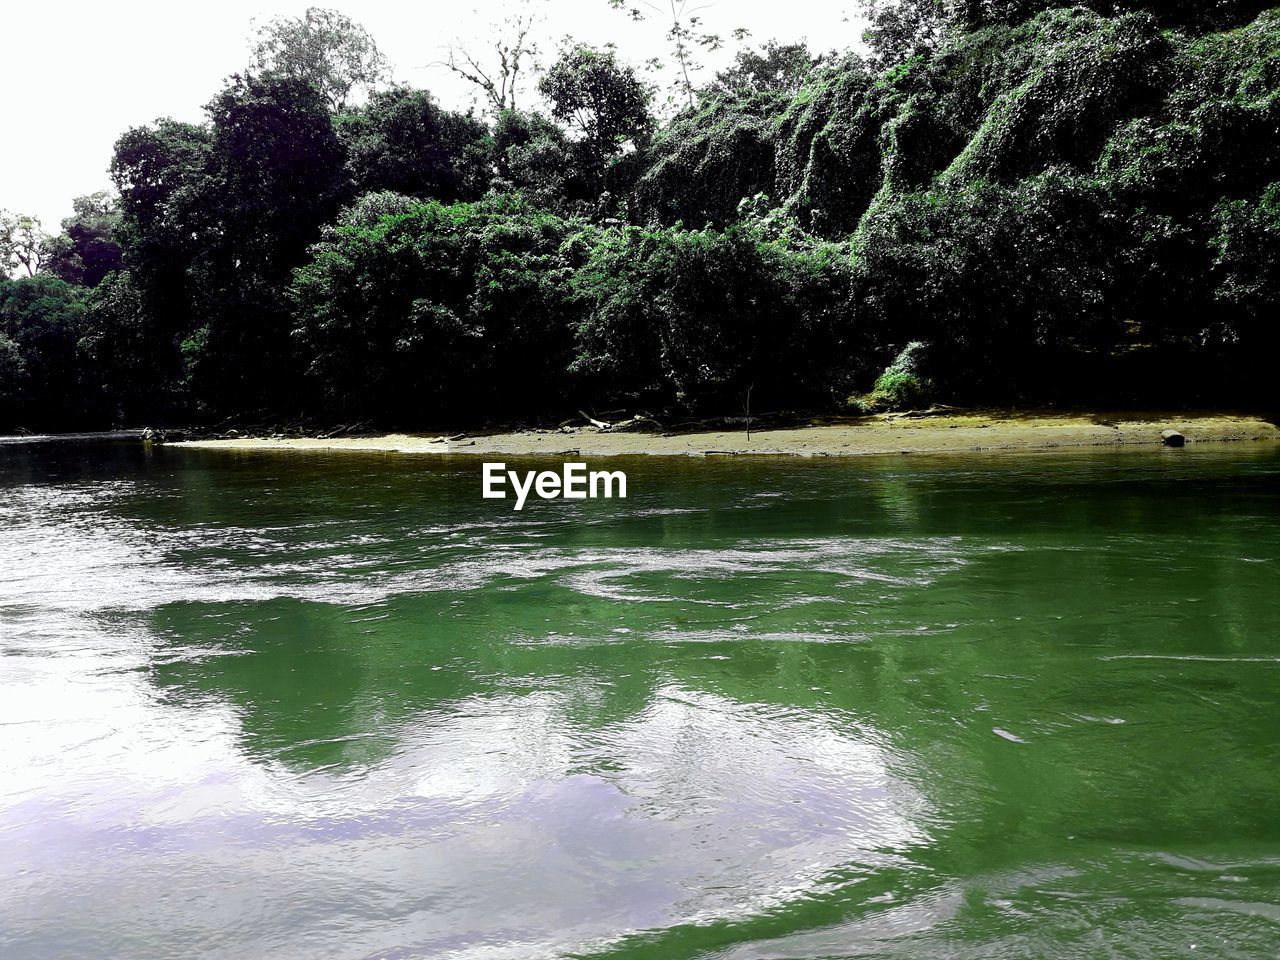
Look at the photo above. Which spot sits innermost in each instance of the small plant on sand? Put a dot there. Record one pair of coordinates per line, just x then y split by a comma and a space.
902, 386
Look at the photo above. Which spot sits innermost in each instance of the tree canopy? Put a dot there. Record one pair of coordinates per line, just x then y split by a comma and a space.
1008, 201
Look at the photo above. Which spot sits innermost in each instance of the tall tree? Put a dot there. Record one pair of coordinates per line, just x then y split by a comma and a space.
87, 249
600, 98
515, 53
402, 140
773, 68
22, 242
684, 33
325, 48
900, 29
275, 173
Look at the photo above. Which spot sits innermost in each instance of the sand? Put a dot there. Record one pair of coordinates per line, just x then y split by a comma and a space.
948, 432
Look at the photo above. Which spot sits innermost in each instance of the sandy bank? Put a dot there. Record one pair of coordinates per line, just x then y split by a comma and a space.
947, 433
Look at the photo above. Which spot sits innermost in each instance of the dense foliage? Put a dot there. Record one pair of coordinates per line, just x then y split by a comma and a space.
1008, 201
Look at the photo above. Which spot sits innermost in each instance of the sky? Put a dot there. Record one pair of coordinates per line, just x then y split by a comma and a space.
78, 74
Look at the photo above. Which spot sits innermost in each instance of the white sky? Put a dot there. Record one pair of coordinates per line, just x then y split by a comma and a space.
78, 74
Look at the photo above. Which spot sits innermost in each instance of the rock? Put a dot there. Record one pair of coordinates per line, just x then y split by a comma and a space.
1172, 438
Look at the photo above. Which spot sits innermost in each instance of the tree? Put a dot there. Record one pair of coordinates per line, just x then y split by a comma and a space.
773, 68
130, 340
40, 319
684, 34
87, 249
536, 159
402, 140
275, 174
138, 318
1010, 284
1247, 259
699, 317
438, 314
324, 48
13, 380
705, 163
603, 100
158, 171
22, 241
514, 47
899, 29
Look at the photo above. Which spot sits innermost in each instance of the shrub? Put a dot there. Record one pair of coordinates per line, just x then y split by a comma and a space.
440, 312
1003, 281
902, 386
1247, 264
697, 317
707, 160
404, 142
40, 365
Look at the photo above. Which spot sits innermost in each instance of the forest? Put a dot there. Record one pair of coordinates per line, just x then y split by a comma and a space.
991, 202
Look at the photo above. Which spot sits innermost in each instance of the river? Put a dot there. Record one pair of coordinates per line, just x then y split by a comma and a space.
291, 707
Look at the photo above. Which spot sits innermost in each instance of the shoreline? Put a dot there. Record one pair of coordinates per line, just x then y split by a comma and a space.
950, 432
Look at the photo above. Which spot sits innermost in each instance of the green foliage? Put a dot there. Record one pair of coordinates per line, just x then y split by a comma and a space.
902, 386
1215, 131
1041, 193
535, 158
22, 244
1001, 280
442, 311
271, 174
324, 49
87, 249
828, 151
705, 162
772, 68
699, 317
601, 99
40, 375
1194, 15
1066, 78
1247, 261
13, 381
898, 30
403, 141
158, 172
132, 349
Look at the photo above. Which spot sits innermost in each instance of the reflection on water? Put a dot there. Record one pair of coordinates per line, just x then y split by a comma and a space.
303, 707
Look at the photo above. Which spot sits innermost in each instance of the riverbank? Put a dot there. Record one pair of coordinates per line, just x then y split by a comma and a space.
948, 432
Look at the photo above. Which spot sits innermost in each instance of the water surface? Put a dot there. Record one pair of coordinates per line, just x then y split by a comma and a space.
307, 706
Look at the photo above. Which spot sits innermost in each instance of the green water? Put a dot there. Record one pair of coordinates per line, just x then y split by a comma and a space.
312, 707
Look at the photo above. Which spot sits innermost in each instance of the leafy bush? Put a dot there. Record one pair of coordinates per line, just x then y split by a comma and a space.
535, 158
441, 311
1065, 79
1197, 15
902, 386
1247, 262
41, 382
1215, 132
1002, 281
698, 317
828, 155
404, 142
706, 161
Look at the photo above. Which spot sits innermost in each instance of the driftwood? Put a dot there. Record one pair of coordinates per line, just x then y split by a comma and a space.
937, 410
638, 422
